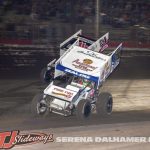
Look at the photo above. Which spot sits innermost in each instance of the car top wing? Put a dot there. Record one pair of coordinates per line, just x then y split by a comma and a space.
82, 62
115, 56
85, 42
71, 38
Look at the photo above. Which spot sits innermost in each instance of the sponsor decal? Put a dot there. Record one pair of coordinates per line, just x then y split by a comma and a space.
9, 139
103, 75
106, 71
77, 73
85, 65
107, 68
116, 55
103, 44
92, 54
87, 61
61, 92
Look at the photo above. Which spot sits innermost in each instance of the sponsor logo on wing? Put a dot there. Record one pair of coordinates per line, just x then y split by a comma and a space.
103, 44
92, 54
77, 73
84, 65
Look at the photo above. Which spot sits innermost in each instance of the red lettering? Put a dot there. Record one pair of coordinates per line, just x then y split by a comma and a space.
3, 137
11, 138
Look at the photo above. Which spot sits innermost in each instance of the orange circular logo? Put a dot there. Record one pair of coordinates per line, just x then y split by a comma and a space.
87, 61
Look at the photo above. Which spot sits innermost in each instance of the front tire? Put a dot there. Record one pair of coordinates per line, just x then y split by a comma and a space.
104, 104
39, 106
83, 110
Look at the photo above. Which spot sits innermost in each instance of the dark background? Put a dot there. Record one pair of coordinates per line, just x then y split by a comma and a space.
31, 30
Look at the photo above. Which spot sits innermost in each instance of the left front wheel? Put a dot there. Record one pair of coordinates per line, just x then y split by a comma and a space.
83, 110
39, 106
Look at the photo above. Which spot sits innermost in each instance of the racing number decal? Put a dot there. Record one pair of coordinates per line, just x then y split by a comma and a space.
102, 43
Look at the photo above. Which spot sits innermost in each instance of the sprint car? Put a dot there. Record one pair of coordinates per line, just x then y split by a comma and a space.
78, 92
77, 39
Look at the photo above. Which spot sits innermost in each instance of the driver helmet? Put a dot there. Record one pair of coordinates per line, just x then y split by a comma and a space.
84, 82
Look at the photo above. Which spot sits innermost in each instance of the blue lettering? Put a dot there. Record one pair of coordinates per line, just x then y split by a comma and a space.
77, 74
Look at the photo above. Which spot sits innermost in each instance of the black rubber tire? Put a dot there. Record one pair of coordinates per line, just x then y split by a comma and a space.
83, 110
35, 106
47, 75
104, 104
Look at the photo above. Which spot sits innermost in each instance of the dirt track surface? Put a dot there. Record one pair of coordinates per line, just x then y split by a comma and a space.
129, 85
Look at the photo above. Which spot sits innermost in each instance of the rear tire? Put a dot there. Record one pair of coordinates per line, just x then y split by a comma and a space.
83, 110
39, 106
104, 104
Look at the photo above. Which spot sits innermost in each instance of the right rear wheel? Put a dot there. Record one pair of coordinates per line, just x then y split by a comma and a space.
104, 104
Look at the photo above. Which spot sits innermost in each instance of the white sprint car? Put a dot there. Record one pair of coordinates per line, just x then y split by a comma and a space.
47, 73
75, 90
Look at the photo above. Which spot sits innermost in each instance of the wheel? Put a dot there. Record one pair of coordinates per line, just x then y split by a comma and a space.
47, 75
39, 106
104, 104
83, 110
